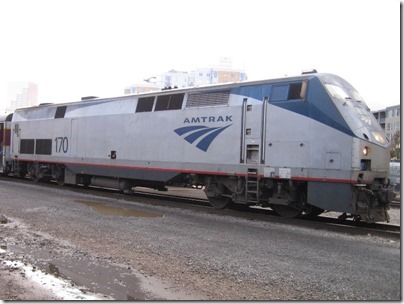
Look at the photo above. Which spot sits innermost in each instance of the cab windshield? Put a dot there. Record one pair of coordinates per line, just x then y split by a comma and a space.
356, 113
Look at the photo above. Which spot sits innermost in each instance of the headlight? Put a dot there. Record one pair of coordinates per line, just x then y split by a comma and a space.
366, 151
379, 137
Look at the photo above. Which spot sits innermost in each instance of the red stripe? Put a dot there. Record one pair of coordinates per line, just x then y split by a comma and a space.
298, 178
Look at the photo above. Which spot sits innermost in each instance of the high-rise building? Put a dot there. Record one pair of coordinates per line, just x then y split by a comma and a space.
21, 94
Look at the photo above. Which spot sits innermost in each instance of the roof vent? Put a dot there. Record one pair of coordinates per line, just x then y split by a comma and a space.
312, 71
88, 97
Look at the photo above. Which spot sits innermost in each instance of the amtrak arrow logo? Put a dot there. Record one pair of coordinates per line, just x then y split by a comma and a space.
205, 134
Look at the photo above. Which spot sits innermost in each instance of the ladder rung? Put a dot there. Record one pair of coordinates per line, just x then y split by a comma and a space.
252, 185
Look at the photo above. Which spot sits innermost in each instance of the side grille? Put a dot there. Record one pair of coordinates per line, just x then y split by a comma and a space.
208, 99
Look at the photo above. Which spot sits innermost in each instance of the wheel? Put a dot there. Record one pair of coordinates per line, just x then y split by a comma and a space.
312, 211
286, 211
238, 207
296, 197
22, 173
220, 202
60, 175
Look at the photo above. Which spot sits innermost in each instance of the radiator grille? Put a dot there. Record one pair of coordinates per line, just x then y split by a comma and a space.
208, 99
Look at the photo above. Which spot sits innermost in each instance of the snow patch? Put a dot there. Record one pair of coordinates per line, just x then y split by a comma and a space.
57, 286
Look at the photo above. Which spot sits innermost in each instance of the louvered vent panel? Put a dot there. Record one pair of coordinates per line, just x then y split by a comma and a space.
208, 99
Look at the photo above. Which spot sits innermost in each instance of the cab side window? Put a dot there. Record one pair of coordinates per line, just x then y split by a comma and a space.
289, 91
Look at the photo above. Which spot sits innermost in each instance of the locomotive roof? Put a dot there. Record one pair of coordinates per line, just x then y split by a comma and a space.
191, 89
227, 85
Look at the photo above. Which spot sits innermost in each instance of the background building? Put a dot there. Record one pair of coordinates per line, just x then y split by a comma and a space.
221, 73
389, 119
21, 94
141, 88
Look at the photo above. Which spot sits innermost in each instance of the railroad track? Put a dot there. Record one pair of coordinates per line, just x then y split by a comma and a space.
395, 204
264, 214
253, 213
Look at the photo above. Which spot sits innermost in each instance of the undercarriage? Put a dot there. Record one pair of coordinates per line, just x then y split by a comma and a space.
285, 197
289, 198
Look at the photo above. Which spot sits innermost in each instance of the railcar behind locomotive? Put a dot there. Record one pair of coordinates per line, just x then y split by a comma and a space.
303, 144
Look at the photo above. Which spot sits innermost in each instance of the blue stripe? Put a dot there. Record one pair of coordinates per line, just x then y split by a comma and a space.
182, 131
194, 136
318, 105
207, 140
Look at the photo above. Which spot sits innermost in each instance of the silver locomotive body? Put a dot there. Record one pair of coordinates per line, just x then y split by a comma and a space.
301, 144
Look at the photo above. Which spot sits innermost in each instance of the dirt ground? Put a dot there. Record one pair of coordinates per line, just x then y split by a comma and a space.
202, 256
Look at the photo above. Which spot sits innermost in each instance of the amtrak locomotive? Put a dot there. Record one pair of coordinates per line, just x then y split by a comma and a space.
300, 145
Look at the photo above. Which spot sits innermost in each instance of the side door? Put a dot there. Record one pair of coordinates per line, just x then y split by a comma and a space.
74, 137
16, 136
2, 146
287, 131
253, 130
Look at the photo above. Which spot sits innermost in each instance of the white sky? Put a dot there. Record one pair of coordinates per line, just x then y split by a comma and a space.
75, 48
